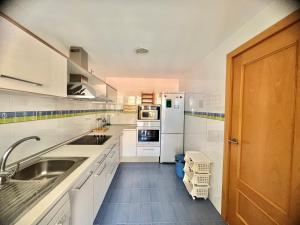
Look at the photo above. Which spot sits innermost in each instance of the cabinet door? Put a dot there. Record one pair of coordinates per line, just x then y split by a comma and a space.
148, 151
99, 187
24, 57
110, 165
171, 144
116, 159
129, 143
63, 217
82, 202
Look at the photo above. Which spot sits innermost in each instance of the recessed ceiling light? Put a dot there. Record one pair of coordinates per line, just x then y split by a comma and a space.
141, 51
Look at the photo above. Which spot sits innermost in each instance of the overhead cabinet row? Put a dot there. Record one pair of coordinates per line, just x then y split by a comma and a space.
27, 64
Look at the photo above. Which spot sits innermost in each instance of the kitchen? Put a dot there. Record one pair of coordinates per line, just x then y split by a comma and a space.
100, 99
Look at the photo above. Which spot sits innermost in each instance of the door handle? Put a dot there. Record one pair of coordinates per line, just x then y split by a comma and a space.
233, 141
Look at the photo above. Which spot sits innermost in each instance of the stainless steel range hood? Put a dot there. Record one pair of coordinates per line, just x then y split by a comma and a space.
84, 85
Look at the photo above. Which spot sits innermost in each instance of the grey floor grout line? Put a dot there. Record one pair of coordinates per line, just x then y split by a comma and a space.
127, 180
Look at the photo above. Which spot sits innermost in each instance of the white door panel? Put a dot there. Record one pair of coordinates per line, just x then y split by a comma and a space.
24, 57
129, 143
171, 144
82, 202
172, 117
99, 187
148, 151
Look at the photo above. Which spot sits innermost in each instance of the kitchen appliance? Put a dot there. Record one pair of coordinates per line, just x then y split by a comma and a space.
148, 133
148, 139
82, 84
91, 140
148, 112
172, 126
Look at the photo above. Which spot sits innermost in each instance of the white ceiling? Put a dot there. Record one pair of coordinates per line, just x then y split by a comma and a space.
178, 33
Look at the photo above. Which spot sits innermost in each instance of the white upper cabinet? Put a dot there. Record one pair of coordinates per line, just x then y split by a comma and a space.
24, 57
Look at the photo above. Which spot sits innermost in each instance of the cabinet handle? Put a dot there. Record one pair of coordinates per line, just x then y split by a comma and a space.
99, 173
114, 167
101, 161
148, 149
90, 174
113, 146
112, 154
22, 80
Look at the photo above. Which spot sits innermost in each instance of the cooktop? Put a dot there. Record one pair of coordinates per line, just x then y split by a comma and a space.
91, 140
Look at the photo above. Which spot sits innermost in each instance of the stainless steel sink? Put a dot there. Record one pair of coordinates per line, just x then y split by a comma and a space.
31, 183
44, 169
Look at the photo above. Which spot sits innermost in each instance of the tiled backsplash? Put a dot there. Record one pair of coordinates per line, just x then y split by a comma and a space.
26, 116
53, 119
204, 102
204, 131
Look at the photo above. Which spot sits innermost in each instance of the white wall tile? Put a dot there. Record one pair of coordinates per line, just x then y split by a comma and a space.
207, 135
52, 132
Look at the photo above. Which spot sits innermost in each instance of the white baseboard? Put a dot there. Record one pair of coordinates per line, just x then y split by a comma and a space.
140, 159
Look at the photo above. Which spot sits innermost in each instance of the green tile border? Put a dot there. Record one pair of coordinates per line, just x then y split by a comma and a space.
28, 116
206, 115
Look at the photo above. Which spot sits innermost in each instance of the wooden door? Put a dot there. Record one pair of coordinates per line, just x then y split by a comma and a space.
264, 165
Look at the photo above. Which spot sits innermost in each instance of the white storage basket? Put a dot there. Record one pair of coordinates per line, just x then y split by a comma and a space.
196, 191
197, 179
197, 162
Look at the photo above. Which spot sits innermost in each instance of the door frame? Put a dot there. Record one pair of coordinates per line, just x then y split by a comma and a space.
274, 29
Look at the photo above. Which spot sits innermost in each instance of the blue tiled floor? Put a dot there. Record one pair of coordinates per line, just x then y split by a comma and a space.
151, 194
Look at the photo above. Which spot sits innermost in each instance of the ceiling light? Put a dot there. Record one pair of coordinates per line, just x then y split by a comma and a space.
141, 51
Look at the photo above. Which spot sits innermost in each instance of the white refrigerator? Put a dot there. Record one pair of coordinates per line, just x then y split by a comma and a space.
172, 126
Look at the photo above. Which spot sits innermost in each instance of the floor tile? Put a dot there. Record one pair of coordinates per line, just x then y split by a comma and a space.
152, 194
140, 195
163, 212
139, 213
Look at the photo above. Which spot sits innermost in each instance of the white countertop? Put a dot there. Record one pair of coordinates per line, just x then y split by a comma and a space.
92, 152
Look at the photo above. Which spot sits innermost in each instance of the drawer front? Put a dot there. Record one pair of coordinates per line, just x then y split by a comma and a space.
63, 217
82, 201
148, 151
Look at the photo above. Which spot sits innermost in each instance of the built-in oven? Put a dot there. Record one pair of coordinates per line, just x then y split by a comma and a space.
148, 112
148, 133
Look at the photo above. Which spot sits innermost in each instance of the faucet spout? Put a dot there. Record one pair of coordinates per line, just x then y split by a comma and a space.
3, 172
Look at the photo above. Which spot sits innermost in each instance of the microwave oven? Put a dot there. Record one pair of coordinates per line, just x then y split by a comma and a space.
148, 112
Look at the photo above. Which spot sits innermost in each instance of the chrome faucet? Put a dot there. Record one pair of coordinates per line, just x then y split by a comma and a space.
3, 173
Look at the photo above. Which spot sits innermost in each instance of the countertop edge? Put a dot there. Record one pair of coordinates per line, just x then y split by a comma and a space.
44, 205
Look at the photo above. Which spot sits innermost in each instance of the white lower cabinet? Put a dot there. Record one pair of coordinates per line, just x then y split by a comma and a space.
82, 201
88, 195
129, 143
60, 214
148, 151
99, 185
113, 160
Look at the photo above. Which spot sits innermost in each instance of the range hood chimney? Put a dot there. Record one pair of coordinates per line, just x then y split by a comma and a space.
81, 83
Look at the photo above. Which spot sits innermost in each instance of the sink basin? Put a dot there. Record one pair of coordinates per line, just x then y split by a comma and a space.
31, 183
44, 169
